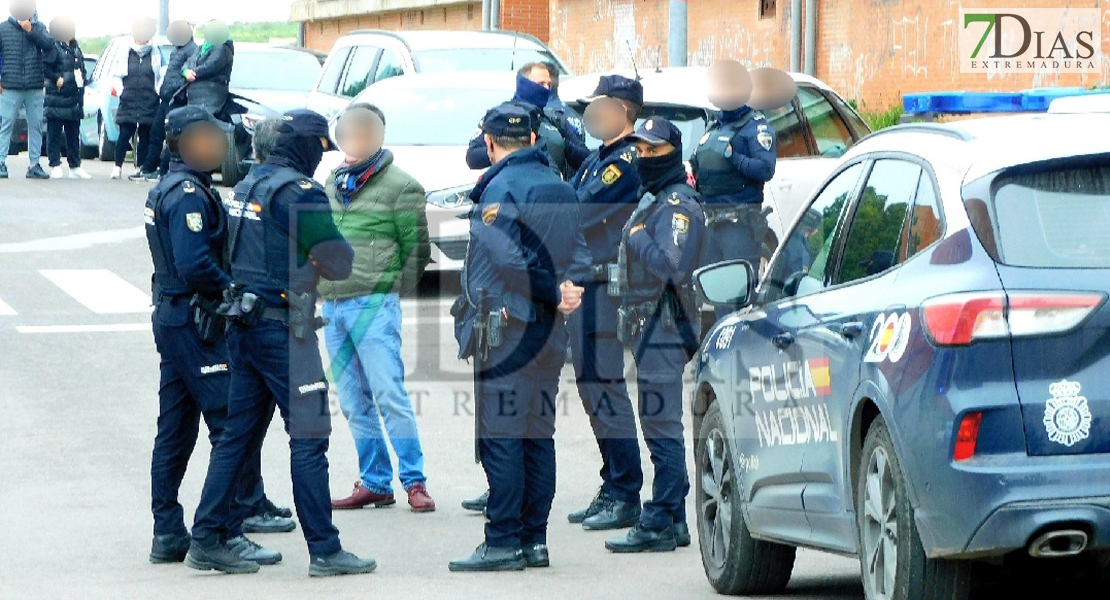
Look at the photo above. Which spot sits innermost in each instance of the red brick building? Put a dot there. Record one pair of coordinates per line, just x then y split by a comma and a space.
873, 51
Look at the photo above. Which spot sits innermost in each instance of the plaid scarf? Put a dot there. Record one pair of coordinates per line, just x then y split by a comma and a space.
349, 179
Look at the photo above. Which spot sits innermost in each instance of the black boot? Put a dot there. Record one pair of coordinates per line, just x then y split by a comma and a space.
487, 558
681, 534
599, 502
340, 563
220, 557
268, 523
643, 540
169, 548
278, 511
536, 555
477, 504
615, 515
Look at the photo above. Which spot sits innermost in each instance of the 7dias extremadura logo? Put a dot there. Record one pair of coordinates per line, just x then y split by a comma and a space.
1024, 40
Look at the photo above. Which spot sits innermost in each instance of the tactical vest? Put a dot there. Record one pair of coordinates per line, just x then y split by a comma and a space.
260, 250
552, 138
717, 175
642, 286
166, 281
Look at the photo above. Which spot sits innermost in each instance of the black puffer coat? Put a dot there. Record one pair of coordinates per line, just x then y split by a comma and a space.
174, 81
138, 102
66, 103
24, 55
213, 78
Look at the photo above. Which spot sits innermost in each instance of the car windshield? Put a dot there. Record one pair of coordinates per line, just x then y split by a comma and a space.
278, 70
1055, 217
434, 117
479, 59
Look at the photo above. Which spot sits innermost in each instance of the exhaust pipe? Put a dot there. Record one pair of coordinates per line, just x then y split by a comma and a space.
1059, 543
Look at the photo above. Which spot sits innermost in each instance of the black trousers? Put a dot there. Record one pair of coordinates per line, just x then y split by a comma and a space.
157, 139
123, 142
63, 132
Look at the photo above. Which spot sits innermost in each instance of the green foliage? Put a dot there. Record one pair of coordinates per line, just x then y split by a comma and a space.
877, 120
874, 236
240, 32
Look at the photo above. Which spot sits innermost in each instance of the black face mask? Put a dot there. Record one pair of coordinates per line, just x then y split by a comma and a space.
301, 152
658, 172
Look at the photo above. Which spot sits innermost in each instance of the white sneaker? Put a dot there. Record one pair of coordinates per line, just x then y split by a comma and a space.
56, 172
116, 173
79, 173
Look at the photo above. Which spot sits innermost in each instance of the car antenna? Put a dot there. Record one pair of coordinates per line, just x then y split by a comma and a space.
632, 55
658, 59
516, 40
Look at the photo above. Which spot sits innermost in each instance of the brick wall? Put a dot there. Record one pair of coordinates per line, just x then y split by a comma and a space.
526, 16
870, 50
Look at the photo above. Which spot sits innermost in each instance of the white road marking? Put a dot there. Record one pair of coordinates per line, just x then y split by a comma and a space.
6, 310
83, 328
101, 290
417, 321
77, 241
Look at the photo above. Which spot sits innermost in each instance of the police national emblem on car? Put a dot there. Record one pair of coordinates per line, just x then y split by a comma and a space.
1067, 417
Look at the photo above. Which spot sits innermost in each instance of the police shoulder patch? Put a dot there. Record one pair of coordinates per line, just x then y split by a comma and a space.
188, 187
680, 223
305, 184
765, 139
489, 213
611, 175
194, 221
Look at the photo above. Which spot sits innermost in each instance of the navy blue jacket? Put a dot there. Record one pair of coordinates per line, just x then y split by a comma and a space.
174, 80
608, 189
668, 247
523, 240
569, 127
745, 160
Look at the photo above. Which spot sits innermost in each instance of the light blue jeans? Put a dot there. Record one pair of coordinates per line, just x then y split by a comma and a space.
10, 103
363, 336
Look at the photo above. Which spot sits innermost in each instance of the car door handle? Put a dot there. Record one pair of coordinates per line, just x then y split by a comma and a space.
850, 330
783, 340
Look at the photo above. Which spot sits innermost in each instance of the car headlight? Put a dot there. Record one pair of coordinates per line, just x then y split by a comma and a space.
451, 198
250, 120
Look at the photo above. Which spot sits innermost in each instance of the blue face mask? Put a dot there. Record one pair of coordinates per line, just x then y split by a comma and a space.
531, 92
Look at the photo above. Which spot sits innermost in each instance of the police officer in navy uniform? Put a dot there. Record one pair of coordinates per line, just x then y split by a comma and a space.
659, 322
281, 241
186, 232
731, 165
608, 188
564, 141
510, 319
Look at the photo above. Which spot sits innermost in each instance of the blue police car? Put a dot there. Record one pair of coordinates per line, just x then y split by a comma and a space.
922, 377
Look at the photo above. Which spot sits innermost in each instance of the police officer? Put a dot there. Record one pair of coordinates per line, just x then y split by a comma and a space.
510, 318
659, 322
561, 135
608, 187
731, 164
186, 232
282, 240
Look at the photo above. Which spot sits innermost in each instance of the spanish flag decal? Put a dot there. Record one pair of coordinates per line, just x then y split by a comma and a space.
819, 371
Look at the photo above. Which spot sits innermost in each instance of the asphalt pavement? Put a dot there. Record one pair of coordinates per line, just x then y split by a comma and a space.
78, 393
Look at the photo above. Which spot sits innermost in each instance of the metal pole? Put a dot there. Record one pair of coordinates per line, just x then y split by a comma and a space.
811, 37
676, 44
485, 14
795, 36
163, 16
495, 15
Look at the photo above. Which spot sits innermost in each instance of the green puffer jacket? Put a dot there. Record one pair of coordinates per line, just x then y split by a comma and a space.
387, 226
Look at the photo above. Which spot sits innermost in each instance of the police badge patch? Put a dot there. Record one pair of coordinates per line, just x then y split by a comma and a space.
194, 221
765, 138
728, 151
489, 215
680, 223
611, 175
187, 186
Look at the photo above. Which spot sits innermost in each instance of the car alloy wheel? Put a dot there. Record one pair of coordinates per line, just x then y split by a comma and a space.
880, 525
716, 480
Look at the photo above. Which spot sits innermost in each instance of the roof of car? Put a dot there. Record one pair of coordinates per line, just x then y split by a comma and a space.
440, 40
678, 86
494, 80
994, 143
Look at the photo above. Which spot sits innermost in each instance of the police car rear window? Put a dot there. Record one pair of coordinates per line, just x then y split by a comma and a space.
1056, 217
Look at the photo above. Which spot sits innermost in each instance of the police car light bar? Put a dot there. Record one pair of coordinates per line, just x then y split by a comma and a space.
962, 103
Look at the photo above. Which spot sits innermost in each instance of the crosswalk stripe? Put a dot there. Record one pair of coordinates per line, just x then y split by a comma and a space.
5, 309
100, 290
77, 241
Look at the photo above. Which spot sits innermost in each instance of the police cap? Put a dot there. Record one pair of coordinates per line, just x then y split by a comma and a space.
618, 86
179, 119
306, 122
508, 120
658, 131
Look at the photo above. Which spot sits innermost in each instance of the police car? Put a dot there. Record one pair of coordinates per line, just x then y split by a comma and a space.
920, 379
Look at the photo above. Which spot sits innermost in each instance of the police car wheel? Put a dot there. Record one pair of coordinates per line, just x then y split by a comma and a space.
891, 555
734, 562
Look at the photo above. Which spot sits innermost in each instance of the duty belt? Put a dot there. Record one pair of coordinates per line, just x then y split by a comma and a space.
602, 273
734, 214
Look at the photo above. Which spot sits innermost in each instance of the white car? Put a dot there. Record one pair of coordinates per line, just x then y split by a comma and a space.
813, 131
430, 119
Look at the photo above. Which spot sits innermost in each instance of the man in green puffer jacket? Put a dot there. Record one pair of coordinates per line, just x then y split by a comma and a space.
380, 210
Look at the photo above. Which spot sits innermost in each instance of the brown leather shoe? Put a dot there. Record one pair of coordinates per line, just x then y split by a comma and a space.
419, 499
361, 497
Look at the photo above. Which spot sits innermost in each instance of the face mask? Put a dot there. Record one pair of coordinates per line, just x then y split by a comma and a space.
531, 92
656, 171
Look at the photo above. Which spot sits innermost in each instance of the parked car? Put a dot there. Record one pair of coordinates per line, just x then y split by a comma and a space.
90, 62
362, 58
920, 377
430, 119
813, 131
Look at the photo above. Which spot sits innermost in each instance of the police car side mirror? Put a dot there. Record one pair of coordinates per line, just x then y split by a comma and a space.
727, 283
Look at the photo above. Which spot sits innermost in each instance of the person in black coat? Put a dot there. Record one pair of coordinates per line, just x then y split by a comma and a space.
25, 48
208, 72
65, 100
139, 101
180, 34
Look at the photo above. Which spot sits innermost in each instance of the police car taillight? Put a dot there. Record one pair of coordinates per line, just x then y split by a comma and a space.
960, 319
